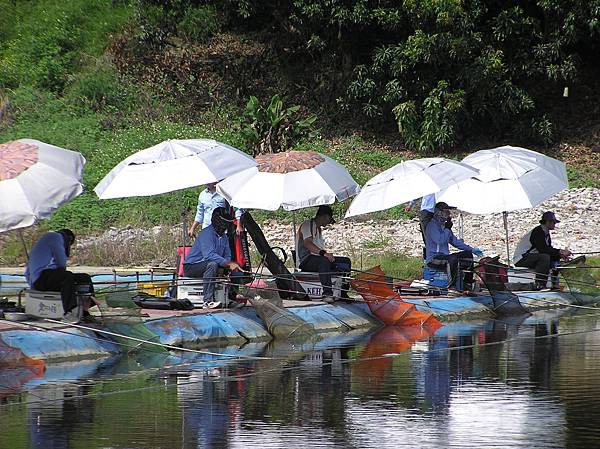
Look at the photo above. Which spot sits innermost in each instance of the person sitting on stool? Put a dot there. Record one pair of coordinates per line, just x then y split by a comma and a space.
47, 271
211, 252
313, 256
438, 235
541, 256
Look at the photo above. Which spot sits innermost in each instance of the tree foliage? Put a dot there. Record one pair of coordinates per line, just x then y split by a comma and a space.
440, 68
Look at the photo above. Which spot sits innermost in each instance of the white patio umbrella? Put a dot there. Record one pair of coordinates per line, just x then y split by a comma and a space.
407, 181
510, 178
291, 180
36, 179
172, 165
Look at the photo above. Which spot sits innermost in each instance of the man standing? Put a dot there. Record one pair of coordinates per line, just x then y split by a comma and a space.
208, 201
535, 251
210, 252
426, 211
312, 255
439, 235
47, 271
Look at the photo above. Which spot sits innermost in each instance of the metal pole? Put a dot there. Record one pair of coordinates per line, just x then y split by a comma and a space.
295, 245
183, 219
24, 245
505, 218
461, 229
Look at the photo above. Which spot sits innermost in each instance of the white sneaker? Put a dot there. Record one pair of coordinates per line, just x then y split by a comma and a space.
70, 317
328, 299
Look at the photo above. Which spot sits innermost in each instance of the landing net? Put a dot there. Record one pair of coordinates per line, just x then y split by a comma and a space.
122, 316
386, 304
280, 322
582, 280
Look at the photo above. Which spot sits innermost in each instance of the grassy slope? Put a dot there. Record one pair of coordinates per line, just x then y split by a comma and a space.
60, 87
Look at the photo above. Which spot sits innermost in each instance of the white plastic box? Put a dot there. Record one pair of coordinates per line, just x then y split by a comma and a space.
521, 275
193, 290
311, 284
49, 305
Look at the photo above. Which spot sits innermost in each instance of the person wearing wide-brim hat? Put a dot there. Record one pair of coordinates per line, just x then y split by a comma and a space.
535, 250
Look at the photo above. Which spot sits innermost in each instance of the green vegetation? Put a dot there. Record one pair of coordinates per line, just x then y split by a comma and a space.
110, 77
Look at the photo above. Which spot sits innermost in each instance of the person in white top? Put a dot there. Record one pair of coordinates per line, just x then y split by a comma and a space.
208, 201
312, 253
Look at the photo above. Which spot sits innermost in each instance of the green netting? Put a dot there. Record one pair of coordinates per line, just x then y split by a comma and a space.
122, 316
583, 282
280, 322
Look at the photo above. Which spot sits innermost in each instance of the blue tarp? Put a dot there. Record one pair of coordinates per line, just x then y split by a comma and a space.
52, 344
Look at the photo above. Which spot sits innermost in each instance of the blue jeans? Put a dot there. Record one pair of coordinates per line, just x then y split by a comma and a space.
208, 271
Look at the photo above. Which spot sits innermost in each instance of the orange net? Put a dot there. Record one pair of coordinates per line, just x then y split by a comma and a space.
387, 305
16, 369
374, 361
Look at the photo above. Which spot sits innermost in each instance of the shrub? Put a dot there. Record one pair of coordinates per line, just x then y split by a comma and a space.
198, 23
273, 127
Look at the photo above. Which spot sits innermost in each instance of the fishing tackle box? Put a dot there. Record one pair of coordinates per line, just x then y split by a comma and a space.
49, 304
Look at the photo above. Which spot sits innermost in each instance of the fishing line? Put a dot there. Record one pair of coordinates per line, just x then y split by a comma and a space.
295, 367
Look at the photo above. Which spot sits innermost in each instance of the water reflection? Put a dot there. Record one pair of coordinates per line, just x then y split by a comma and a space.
510, 383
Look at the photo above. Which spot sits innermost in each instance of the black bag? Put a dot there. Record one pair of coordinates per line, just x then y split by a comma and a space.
156, 302
287, 285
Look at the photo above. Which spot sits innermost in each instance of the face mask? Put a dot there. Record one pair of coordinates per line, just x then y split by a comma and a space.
441, 215
219, 225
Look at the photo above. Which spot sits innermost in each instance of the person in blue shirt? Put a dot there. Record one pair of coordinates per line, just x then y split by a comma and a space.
438, 237
208, 201
47, 270
211, 252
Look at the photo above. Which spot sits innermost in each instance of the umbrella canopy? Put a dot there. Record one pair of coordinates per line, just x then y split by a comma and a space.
407, 181
172, 165
36, 179
291, 180
510, 178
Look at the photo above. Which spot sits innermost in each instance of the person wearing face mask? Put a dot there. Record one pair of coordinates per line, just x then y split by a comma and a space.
211, 252
438, 237
47, 271
535, 251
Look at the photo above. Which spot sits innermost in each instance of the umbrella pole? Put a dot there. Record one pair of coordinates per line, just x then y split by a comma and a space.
295, 240
24, 245
505, 219
461, 228
183, 219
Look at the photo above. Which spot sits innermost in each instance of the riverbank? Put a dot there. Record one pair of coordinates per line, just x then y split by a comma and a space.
579, 230
205, 328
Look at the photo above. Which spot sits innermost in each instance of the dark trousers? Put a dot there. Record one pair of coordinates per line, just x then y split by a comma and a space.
325, 268
464, 259
538, 262
66, 282
208, 271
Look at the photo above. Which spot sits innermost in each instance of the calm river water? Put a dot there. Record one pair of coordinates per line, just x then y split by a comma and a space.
531, 382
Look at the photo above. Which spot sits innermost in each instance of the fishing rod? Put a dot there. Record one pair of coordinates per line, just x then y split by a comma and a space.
150, 342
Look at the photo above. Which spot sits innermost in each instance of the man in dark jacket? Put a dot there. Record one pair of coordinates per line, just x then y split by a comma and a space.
210, 253
541, 255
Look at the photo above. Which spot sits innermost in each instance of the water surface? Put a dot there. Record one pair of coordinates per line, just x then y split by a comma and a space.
528, 382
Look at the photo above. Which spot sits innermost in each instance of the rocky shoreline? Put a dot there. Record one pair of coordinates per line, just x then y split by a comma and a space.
579, 230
